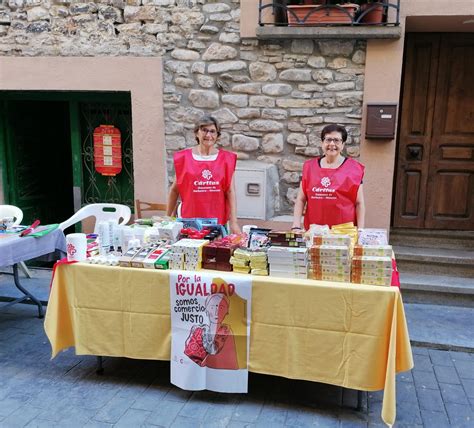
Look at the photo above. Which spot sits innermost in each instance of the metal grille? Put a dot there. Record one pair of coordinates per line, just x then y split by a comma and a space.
96, 187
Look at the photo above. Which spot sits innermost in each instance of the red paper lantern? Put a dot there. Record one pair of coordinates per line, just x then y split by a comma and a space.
107, 150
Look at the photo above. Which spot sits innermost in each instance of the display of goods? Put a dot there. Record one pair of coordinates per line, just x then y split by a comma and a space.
373, 250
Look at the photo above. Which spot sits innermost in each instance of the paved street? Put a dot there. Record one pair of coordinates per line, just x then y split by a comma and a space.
66, 392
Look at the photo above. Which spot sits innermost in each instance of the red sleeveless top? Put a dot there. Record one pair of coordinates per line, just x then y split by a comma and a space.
203, 184
331, 194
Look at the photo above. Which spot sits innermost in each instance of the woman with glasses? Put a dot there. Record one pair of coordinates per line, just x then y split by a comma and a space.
204, 178
331, 186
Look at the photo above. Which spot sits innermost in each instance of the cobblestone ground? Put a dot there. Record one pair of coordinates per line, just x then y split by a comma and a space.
66, 392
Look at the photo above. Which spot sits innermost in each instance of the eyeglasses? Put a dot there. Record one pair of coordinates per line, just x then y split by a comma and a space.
208, 131
333, 140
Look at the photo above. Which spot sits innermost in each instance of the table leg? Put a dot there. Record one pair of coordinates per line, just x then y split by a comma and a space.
359, 400
100, 368
27, 294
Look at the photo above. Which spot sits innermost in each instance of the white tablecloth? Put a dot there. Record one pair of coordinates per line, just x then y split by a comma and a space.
14, 249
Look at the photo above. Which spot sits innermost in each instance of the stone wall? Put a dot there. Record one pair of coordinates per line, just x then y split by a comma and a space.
272, 98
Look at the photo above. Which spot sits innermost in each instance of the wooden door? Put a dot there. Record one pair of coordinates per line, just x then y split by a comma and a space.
38, 159
435, 165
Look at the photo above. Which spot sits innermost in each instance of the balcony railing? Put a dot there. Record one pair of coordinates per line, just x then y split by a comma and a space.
379, 13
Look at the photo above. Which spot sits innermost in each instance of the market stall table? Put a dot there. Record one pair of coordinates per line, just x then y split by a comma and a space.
15, 249
350, 335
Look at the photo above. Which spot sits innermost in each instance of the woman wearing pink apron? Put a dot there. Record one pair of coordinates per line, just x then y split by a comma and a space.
204, 178
331, 188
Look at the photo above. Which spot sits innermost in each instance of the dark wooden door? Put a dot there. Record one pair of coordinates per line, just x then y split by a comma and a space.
435, 165
39, 159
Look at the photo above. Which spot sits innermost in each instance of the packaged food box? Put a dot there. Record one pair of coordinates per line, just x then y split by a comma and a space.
330, 269
332, 240
285, 235
372, 262
153, 257
260, 272
333, 261
241, 269
169, 230
292, 244
373, 250
222, 266
176, 260
241, 253
316, 251
372, 280
288, 274
288, 264
261, 264
217, 252
329, 277
163, 261
126, 258
287, 253
256, 256
377, 272
238, 262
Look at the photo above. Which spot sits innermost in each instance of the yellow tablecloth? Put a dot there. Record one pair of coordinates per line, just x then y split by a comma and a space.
349, 335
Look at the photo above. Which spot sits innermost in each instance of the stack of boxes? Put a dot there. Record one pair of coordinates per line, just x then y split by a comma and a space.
329, 258
188, 254
372, 264
258, 263
288, 262
216, 255
240, 261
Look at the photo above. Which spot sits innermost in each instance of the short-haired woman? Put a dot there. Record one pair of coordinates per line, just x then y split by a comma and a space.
331, 186
204, 178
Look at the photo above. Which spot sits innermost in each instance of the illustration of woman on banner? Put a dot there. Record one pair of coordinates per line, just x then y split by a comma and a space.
213, 345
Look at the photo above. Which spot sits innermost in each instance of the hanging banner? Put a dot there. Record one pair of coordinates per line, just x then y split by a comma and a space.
210, 325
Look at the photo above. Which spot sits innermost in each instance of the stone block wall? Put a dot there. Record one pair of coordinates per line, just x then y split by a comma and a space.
271, 97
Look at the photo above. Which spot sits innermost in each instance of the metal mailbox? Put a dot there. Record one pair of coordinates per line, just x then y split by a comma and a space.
381, 119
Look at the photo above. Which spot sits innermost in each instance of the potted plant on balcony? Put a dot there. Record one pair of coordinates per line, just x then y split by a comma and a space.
314, 12
372, 11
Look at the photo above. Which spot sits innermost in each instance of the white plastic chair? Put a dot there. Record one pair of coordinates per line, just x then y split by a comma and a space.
101, 212
11, 211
